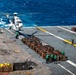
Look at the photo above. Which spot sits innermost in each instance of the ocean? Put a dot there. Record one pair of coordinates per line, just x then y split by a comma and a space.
40, 12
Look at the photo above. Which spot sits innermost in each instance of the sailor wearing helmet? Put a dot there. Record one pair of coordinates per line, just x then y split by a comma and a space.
16, 21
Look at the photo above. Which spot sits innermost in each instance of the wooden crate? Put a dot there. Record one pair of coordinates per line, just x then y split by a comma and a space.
58, 58
64, 58
43, 55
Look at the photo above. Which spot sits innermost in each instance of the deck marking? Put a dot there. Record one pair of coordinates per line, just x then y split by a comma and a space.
67, 41
72, 63
66, 69
66, 30
74, 44
9, 30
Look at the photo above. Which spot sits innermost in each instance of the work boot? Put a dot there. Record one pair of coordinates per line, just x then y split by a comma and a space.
16, 37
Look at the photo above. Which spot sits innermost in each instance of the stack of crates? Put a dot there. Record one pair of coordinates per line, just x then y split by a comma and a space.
35, 44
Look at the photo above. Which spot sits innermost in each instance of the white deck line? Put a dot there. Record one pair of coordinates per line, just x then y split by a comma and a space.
66, 30
66, 69
72, 63
55, 36
9, 30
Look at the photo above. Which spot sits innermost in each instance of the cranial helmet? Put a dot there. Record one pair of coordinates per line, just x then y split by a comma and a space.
63, 53
15, 13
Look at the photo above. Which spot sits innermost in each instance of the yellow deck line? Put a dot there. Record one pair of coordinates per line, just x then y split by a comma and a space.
74, 44
65, 40
41, 29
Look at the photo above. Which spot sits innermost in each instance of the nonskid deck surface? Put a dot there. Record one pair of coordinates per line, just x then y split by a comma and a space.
11, 52
51, 35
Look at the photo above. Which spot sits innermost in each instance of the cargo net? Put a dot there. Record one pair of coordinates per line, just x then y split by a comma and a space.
44, 50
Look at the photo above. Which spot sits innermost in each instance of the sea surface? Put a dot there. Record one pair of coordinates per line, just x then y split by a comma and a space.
40, 12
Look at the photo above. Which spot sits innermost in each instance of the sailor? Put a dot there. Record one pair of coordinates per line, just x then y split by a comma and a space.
17, 34
11, 24
14, 18
55, 59
51, 57
63, 53
47, 58
72, 41
17, 21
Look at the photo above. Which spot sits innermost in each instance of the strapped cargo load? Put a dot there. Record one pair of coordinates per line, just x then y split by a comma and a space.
35, 44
